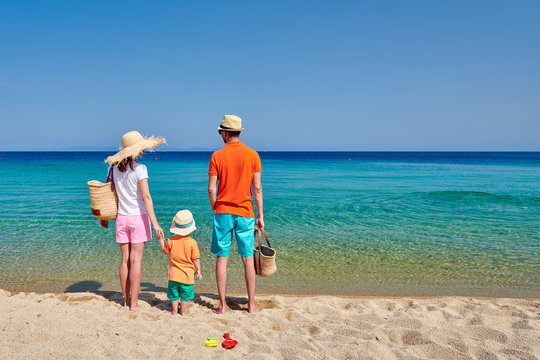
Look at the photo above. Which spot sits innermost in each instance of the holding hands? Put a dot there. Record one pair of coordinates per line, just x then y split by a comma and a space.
160, 235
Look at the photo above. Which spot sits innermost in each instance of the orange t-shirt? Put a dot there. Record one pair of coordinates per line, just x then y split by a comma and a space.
234, 166
182, 250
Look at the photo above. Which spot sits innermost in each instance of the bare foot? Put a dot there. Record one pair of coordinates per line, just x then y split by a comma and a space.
174, 313
219, 310
253, 309
134, 307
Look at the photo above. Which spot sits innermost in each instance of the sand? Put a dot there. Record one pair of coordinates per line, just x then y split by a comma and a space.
95, 326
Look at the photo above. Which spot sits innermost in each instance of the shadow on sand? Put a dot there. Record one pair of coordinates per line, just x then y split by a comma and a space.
146, 294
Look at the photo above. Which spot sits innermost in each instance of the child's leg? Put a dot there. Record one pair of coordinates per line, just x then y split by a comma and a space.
174, 306
186, 294
183, 307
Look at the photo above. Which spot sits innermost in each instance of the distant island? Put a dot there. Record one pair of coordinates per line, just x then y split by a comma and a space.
107, 149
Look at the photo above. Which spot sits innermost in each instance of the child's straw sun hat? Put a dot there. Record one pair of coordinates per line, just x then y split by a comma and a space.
133, 144
183, 223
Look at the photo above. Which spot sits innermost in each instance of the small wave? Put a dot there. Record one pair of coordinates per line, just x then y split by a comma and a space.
480, 196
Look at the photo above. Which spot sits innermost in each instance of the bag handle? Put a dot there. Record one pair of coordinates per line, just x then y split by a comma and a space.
259, 230
258, 259
110, 175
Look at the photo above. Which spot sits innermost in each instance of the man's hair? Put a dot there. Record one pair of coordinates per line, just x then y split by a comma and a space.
232, 133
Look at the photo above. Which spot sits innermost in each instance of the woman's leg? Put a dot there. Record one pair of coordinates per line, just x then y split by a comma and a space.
124, 273
135, 270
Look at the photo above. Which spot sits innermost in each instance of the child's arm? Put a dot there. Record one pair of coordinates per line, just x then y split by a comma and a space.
162, 244
197, 263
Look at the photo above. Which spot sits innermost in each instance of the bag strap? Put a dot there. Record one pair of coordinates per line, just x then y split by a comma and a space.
259, 230
110, 175
257, 254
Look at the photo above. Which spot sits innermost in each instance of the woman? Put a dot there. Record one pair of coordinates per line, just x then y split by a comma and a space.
135, 211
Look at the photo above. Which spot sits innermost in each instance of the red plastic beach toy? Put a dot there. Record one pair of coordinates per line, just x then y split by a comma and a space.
228, 343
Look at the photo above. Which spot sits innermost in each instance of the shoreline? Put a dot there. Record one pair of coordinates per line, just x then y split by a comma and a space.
91, 326
237, 289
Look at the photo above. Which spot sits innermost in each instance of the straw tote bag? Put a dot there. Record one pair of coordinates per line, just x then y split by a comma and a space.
264, 256
103, 198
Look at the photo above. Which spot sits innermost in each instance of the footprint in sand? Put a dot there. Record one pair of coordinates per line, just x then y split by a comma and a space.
412, 337
484, 333
522, 325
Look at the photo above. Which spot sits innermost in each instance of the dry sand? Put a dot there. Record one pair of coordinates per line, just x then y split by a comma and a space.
95, 326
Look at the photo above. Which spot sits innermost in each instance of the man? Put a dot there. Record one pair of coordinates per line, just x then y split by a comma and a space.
235, 169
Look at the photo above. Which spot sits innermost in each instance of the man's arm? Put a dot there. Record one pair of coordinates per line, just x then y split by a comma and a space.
258, 195
212, 192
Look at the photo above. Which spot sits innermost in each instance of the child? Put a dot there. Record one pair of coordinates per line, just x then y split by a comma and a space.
183, 261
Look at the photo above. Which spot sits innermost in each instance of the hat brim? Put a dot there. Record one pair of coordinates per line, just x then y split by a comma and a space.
185, 231
135, 150
222, 129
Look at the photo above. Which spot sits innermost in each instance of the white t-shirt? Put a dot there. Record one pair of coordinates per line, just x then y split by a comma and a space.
127, 188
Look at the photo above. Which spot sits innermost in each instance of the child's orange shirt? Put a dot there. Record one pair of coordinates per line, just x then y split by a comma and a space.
182, 250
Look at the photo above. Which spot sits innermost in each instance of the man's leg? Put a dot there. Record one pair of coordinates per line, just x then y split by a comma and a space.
221, 247
244, 229
221, 279
249, 273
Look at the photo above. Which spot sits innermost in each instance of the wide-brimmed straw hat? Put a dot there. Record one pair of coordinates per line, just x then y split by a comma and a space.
231, 123
183, 223
133, 144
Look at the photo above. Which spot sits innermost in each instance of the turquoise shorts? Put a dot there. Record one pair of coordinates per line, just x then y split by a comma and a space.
224, 226
177, 290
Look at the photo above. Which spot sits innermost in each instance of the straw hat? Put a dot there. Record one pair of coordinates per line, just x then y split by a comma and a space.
133, 143
231, 123
183, 223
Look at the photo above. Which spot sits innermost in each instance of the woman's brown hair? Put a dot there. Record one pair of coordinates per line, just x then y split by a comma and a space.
122, 165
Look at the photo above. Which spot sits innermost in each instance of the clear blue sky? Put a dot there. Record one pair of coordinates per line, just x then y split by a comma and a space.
304, 75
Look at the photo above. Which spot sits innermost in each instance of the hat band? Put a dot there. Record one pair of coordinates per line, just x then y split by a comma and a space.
225, 127
183, 226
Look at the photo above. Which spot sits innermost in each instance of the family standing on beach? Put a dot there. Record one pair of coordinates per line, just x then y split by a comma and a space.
235, 170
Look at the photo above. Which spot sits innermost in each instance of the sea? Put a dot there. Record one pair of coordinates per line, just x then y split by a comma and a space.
342, 223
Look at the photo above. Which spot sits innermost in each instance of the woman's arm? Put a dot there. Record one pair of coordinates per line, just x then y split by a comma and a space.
149, 207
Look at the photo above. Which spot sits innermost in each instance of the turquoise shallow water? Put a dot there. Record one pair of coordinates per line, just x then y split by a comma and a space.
377, 224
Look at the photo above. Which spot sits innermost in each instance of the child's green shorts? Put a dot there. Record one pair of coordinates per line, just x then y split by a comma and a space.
177, 290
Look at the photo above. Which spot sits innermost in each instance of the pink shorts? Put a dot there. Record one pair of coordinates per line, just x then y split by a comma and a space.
133, 229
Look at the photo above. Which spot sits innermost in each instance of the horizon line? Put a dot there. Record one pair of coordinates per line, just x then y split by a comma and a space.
326, 151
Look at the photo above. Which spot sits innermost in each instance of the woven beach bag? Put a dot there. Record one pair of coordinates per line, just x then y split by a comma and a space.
103, 198
264, 256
